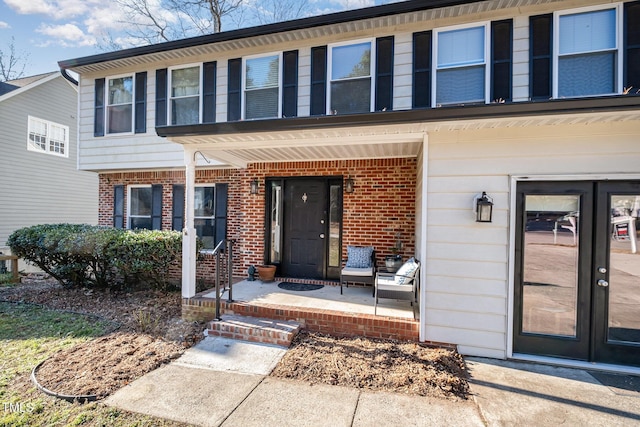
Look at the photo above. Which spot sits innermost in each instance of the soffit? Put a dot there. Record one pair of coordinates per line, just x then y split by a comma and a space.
392, 22
363, 142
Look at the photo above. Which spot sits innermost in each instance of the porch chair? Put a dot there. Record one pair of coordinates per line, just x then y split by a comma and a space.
401, 285
360, 266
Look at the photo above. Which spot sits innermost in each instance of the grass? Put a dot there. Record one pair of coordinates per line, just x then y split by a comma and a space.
30, 334
6, 279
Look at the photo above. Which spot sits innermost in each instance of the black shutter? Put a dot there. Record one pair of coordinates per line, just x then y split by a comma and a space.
98, 110
290, 83
318, 80
140, 113
632, 46
156, 207
178, 207
161, 97
384, 73
118, 206
540, 63
209, 92
501, 60
220, 215
234, 90
421, 70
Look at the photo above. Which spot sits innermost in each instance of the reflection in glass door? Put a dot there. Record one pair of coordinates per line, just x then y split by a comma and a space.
617, 290
551, 253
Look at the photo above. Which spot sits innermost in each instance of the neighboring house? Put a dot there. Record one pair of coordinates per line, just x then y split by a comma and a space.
39, 178
422, 106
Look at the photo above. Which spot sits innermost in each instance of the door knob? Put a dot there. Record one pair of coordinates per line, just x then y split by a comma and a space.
322, 235
603, 283
602, 270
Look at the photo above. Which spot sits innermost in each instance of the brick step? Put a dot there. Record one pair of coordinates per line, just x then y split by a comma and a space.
277, 332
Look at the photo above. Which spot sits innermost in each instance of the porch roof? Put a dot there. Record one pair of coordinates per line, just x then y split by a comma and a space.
391, 134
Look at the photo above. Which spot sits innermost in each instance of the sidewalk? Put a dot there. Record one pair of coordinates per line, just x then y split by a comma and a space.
223, 382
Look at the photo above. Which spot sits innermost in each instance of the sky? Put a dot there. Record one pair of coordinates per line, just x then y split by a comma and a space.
47, 31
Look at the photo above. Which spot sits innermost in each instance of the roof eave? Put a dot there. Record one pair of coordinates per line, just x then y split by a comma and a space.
279, 27
461, 112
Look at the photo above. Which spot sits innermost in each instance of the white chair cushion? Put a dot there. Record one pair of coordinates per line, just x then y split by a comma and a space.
362, 272
409, 269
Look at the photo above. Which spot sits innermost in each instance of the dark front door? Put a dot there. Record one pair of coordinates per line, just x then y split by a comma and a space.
305, 228
577, 276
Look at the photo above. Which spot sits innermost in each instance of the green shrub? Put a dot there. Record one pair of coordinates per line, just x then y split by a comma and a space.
87, 255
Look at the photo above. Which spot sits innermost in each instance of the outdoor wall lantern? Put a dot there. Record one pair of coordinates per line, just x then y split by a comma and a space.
483, 207
348, 185
254, 187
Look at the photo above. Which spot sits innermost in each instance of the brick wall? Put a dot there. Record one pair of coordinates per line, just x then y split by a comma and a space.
381, 208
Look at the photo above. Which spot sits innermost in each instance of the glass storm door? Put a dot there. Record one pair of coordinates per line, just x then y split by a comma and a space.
577, 284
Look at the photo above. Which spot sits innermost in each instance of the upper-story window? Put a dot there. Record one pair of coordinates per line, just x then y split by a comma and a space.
262, 87
461, 65
120, 104
48, 137
587, 60
350, 82
184, 105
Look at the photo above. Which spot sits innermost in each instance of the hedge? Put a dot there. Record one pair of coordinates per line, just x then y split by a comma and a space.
81, 255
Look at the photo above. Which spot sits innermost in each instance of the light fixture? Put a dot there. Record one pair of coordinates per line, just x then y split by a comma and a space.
483, 207
348, 185
254, 187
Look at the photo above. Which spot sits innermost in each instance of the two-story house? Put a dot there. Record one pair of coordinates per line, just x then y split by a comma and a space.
388, 123
39, 178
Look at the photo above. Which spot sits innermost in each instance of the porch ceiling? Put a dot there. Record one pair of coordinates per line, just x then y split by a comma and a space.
239, 150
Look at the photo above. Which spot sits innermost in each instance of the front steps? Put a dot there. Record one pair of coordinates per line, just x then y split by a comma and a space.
254, 329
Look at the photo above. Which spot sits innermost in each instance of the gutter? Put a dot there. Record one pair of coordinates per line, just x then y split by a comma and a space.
616, 103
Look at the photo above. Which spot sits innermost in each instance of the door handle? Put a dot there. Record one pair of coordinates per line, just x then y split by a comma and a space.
603, 283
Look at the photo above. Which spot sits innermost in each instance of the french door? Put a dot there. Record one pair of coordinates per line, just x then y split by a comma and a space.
577, 275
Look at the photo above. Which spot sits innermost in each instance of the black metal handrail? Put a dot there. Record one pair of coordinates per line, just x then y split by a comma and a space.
217, 253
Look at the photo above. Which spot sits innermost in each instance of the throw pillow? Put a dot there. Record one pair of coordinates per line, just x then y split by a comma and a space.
408, 269
359, 257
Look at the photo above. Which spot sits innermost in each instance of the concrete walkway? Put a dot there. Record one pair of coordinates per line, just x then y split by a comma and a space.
223, 382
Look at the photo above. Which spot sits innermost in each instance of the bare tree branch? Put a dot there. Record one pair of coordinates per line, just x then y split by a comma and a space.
12, 63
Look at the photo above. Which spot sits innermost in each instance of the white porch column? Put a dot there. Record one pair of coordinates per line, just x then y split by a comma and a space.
421, 243
189, 230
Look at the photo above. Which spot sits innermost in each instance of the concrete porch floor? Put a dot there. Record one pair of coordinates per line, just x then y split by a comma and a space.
355, 299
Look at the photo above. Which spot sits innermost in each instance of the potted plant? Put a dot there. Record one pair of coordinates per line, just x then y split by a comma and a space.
267, 273
393, 262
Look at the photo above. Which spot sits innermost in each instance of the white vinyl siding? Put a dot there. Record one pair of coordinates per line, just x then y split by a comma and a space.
587, 59
403, 72
467, 274
521, 59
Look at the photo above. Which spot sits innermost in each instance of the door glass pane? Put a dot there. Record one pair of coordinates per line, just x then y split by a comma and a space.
550, 265
334, 227
624, 270
276, 222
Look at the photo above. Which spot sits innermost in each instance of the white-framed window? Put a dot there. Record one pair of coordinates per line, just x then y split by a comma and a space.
350, 77
461, 56
139, 204
587, 59
204, 214
262, 85
185, 94
47, 137
119, 111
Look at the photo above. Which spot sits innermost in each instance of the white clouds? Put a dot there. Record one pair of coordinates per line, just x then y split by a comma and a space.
67, 35
4, 25
56, 9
